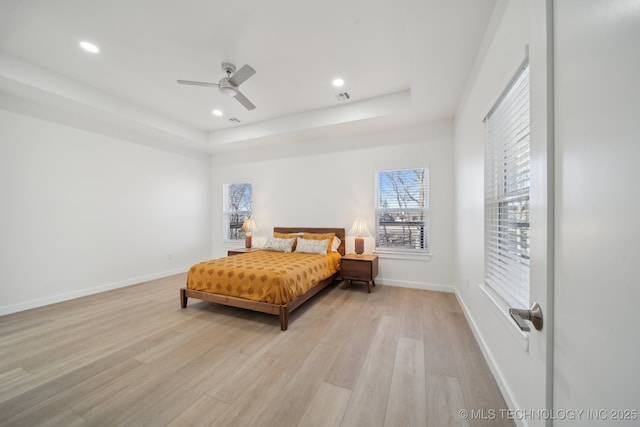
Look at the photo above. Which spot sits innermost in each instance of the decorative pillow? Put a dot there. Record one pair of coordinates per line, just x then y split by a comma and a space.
288, 236
279, 245
336, 244
308, 246
317, 236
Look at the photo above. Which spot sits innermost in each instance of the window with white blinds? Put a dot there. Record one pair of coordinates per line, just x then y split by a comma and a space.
506, 196
237, 206
402, 210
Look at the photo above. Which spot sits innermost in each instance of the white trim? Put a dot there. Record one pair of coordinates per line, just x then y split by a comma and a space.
405, 256
34, 303
415, 285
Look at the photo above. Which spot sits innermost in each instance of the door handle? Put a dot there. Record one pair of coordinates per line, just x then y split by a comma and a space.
534, 315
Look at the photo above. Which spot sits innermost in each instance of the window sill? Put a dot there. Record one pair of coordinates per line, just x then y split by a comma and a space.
407, 256
501, 309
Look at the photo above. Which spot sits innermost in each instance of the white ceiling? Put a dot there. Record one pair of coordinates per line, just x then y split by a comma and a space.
404, 62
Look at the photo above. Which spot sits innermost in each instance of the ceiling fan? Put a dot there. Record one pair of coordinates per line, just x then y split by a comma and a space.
229, 85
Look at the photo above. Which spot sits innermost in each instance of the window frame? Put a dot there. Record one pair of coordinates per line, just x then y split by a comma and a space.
424, 237
228, 211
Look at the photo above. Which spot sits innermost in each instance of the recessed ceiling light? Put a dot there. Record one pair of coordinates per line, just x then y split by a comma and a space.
89, 47
338, 82
217, 112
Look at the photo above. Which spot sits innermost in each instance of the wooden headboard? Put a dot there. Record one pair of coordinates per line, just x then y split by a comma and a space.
339, 232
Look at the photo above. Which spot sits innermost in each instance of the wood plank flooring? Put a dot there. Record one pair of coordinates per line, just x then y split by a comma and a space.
395, 357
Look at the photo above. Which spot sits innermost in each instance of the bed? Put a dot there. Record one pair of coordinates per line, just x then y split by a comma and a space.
272, 281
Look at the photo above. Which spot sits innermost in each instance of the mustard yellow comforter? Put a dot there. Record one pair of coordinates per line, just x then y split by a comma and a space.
272, 277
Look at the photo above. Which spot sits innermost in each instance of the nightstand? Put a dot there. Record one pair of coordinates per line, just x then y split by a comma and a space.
361, 268
239, 251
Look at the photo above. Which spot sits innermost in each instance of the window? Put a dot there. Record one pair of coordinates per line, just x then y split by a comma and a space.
237, 205
402, 210
506, 194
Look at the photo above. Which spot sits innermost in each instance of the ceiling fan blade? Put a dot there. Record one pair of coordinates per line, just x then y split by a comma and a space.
241, 75
189, 82
244, 101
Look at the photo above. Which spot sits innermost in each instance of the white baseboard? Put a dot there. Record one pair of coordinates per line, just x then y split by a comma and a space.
416, 285
39, 302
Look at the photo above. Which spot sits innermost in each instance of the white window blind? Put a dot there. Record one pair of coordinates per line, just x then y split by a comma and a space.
402, 210
237, 206
506, 203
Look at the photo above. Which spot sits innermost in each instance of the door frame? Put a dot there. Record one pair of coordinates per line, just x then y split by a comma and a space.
541, 51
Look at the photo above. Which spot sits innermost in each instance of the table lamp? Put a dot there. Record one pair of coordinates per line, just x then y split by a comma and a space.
360, 231
248, 226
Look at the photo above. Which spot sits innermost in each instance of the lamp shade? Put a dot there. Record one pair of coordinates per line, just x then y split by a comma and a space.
249, 226
359, 228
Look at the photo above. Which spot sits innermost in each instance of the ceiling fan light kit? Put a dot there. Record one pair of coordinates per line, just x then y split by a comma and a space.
227, 88
229, 85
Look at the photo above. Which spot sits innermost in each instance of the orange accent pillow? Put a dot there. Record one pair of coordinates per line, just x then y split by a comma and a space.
288, 236
325, 236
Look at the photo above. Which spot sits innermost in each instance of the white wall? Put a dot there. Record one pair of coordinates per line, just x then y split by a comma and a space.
331, 182
83, 213
504, 52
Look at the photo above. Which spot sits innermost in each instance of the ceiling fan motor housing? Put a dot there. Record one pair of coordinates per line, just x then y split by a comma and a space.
228, 68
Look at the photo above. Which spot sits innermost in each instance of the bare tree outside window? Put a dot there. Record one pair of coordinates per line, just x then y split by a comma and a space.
237, 207
402, 210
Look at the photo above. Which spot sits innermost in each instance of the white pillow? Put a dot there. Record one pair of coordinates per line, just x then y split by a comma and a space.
279, 245
308, 246
336, 244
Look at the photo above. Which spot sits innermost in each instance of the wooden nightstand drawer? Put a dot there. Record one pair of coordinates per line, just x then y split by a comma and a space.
360, 268
357, 270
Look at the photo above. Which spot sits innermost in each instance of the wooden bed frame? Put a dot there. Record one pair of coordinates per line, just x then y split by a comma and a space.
282, 310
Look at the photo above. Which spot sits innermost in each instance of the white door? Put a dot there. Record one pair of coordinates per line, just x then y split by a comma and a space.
597, 211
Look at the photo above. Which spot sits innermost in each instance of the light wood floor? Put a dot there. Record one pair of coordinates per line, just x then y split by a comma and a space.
395, 357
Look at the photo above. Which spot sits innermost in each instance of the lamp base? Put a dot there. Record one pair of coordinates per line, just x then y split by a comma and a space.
247, 241
359, 245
